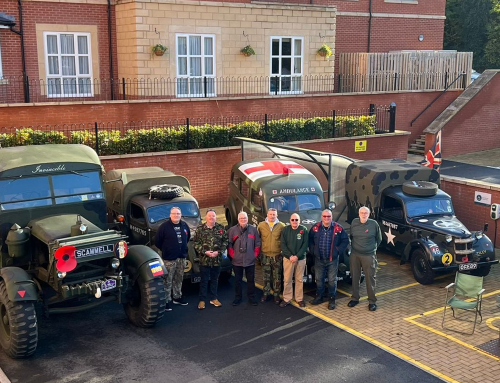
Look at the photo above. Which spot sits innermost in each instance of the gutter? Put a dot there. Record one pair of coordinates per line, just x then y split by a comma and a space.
110, 52
370, 11
23, 56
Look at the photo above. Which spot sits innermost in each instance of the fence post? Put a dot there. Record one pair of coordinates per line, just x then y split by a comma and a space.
372, 110
392, 117
395, 81
464, 79
96, 139
340, 84
123, 88
187, 133
276, 83
266, 128
205, 85
445, 80
334, 123
26, 89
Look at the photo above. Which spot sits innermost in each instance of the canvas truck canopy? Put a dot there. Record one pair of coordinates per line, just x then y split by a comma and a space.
32, 160
365, 181
123, 184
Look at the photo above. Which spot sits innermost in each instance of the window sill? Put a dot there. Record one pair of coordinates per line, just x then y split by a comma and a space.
4, 81
402, 1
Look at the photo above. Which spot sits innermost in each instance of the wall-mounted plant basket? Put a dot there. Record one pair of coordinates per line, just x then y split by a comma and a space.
325, 51
247, 51
159, 50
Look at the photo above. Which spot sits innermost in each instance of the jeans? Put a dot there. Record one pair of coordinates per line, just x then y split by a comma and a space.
238, 275
322, 269
212, 274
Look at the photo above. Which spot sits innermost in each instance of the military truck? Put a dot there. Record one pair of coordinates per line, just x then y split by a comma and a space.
417, 218
141, 199
55, 246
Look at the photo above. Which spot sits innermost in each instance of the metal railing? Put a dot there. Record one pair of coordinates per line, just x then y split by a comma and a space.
196, 133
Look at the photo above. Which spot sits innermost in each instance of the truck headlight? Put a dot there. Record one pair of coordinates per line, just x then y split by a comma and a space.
449, 238
479, 234
61, 274
115, 263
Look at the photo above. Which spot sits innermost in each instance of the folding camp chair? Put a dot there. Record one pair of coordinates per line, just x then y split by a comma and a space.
467, 295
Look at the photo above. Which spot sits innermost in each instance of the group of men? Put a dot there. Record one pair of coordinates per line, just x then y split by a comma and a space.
282, 252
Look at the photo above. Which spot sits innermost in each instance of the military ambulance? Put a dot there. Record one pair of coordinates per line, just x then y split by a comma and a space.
417, 219
55, 247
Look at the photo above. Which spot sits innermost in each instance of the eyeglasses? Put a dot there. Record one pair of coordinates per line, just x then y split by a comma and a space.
326, 216
294, 219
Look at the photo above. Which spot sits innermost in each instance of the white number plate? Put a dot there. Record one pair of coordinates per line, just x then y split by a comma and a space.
467, 266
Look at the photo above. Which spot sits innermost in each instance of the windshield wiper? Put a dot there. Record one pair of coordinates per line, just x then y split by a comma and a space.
78, 174
15, 179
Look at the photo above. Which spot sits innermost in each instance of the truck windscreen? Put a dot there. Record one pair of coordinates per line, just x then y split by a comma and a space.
299, 202
429, 206
161, 212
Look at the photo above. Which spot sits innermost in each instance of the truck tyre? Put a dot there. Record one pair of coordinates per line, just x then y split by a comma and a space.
482, 271
146, 304
165, 191
420, 188
421, 268
18, 326
229, 219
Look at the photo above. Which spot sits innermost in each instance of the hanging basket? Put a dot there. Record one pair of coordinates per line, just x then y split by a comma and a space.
159, 52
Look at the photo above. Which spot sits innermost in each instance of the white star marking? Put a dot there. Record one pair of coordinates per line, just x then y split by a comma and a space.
390, 237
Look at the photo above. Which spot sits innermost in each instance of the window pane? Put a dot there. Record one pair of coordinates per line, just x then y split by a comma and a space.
83, 61
275, 47
286, 66
274, 83
210, 85
182, 62
182, 86
297, 84
52, 44
195, 45
67, 44
24, 189
275, 66
209, 66
84, 86
182, 42
53, 86
195, 85
195, 69
69, 85
68, 66
286, 47
297, 68
83, 48
83, 183
298, 47
53, 65
209, 49
285, 84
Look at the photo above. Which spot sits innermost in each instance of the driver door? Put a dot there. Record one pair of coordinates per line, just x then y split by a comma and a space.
392, 220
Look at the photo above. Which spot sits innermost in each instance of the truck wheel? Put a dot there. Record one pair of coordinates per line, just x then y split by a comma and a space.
482, 271
146, 304
420, 188
18, 326
421, 268
229, 219
165, 191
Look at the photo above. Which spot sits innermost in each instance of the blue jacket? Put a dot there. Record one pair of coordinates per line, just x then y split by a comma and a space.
166, 241
340, 241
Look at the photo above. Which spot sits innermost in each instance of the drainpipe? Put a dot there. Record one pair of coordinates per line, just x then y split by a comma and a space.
23, 58
370, 26
110, 53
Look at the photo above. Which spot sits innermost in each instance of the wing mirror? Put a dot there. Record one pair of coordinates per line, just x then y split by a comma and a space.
332, 205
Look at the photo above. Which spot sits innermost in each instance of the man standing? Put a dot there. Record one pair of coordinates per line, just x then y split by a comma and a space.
172, 238
294, 243
271, 259
210, 241
366, 237
327, 240
244, 248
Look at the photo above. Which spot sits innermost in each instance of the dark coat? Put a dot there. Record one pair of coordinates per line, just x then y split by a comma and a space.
340, 241
166, 241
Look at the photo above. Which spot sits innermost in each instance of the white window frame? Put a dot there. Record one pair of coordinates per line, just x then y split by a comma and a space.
292, 56
213, 93
60, 76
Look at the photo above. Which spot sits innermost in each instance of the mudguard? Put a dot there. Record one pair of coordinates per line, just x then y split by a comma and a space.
20, 287
419, 244
142, 261
193, 258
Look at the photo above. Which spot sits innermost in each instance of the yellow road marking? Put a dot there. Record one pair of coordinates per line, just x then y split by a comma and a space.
490, 320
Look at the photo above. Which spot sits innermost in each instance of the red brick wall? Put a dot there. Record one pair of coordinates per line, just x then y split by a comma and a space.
472, 215
209, 171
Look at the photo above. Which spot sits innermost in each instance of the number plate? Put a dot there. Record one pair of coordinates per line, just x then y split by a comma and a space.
110, 284
467, 266
195, 279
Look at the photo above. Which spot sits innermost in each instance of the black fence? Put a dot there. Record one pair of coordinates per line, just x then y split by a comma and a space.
197, 133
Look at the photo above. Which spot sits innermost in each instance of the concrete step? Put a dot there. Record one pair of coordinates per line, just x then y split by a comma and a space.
416, 151
417, 146
420, 141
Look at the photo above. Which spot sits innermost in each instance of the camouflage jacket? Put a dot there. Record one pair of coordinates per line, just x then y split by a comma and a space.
210, 239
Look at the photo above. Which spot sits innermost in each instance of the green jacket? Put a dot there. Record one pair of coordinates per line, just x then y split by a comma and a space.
294, 242
210, 239
270, 239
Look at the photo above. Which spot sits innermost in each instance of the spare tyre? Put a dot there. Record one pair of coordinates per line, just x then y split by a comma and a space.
420, 188
165, 191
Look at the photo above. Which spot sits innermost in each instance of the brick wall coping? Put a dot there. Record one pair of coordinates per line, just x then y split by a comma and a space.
172, 152
65, 103
469, 182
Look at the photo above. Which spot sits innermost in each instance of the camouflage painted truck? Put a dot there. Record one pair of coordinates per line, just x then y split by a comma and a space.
417, 218
141, 199
55, 247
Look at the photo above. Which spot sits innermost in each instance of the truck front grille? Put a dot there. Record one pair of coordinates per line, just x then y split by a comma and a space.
463, 248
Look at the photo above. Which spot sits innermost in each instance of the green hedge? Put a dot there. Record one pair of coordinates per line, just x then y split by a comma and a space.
203, 136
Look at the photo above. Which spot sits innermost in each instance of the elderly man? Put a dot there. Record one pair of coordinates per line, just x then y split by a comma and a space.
327, 240
172, 238
210, 241
271, 259
366, 237
244, 248
294, 243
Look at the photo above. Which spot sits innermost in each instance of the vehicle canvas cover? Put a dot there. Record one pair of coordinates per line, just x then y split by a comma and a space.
365, 181
136, 181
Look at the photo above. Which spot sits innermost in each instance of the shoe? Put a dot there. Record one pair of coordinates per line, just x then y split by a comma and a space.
317, 300
263, 299
201, 305
236, 302
331, 304
372, 307
277, 300
167, 307
216, 303
253, 302
301, 304
180, 301
284, 303
352, 303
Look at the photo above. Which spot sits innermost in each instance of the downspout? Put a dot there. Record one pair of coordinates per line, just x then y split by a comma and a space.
111, 74
23, 57
370, 26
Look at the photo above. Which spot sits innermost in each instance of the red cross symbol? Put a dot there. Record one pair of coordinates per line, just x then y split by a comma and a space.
257, 170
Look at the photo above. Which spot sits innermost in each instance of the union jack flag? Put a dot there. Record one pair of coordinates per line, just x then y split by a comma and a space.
433, 157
